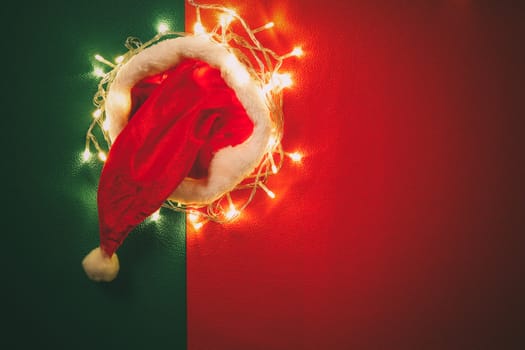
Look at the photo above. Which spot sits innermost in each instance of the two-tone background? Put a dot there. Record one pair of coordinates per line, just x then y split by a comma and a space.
402, 229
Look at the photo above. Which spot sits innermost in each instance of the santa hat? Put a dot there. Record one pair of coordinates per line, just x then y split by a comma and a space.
188, 123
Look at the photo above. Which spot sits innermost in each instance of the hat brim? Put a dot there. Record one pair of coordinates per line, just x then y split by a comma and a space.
230, 165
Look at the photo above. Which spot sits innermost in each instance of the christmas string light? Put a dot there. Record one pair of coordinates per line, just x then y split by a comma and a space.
262, 65
155, 216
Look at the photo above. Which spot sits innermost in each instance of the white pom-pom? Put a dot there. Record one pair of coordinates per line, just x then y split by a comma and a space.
100, 267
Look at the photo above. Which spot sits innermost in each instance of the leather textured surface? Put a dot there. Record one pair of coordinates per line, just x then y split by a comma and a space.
51, 222
403, 228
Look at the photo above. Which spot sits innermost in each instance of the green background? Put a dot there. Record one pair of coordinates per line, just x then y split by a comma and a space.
50, 214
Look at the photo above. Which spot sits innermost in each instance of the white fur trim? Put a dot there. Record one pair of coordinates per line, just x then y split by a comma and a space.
99, 267
230, 165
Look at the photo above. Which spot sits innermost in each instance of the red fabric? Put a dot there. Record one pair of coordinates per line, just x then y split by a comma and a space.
183, 116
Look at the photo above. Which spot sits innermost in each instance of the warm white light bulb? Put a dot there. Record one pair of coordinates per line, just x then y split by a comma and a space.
105, 125
269, 25
86, 155
297, 51
232, 213
193, 217
274, 169
226, 18
97, 113
272, 142
197, 225
278, 82
102, 156
119, 59
198, 28
99, 58
296, 156
283, 80
264, 27
99, 72
163, 27
267, 190
156, 215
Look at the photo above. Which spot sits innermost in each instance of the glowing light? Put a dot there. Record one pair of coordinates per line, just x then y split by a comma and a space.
272, 162
297, 52
295, 156
198, 28
232, 213
103, 60
86, 155
119, 59
197, 225
155, 216
163, 27
194, 220
272, 142
97, 113
99, 72
267, 26
193, 217
278, 82
226, 18
102, 156
283, 80
105, 125
267, 190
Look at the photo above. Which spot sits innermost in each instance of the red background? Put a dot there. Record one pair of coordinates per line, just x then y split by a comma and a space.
402, 228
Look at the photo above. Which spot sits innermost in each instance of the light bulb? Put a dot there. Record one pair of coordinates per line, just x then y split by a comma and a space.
163, 27
232, 212
193, 217
278, 81
297, 51
197, 225
103, 60
272, 142
267, 190
264, 27
198, 28
156, 215
119, 59
226, 18
296, 156
97, 113
86, 155
99, 72
105, 125
283, 80
102, 156
269, 25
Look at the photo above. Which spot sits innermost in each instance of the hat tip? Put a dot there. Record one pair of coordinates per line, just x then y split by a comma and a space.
100, 267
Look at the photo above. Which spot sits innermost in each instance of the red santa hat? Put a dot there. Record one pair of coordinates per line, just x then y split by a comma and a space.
188, 123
